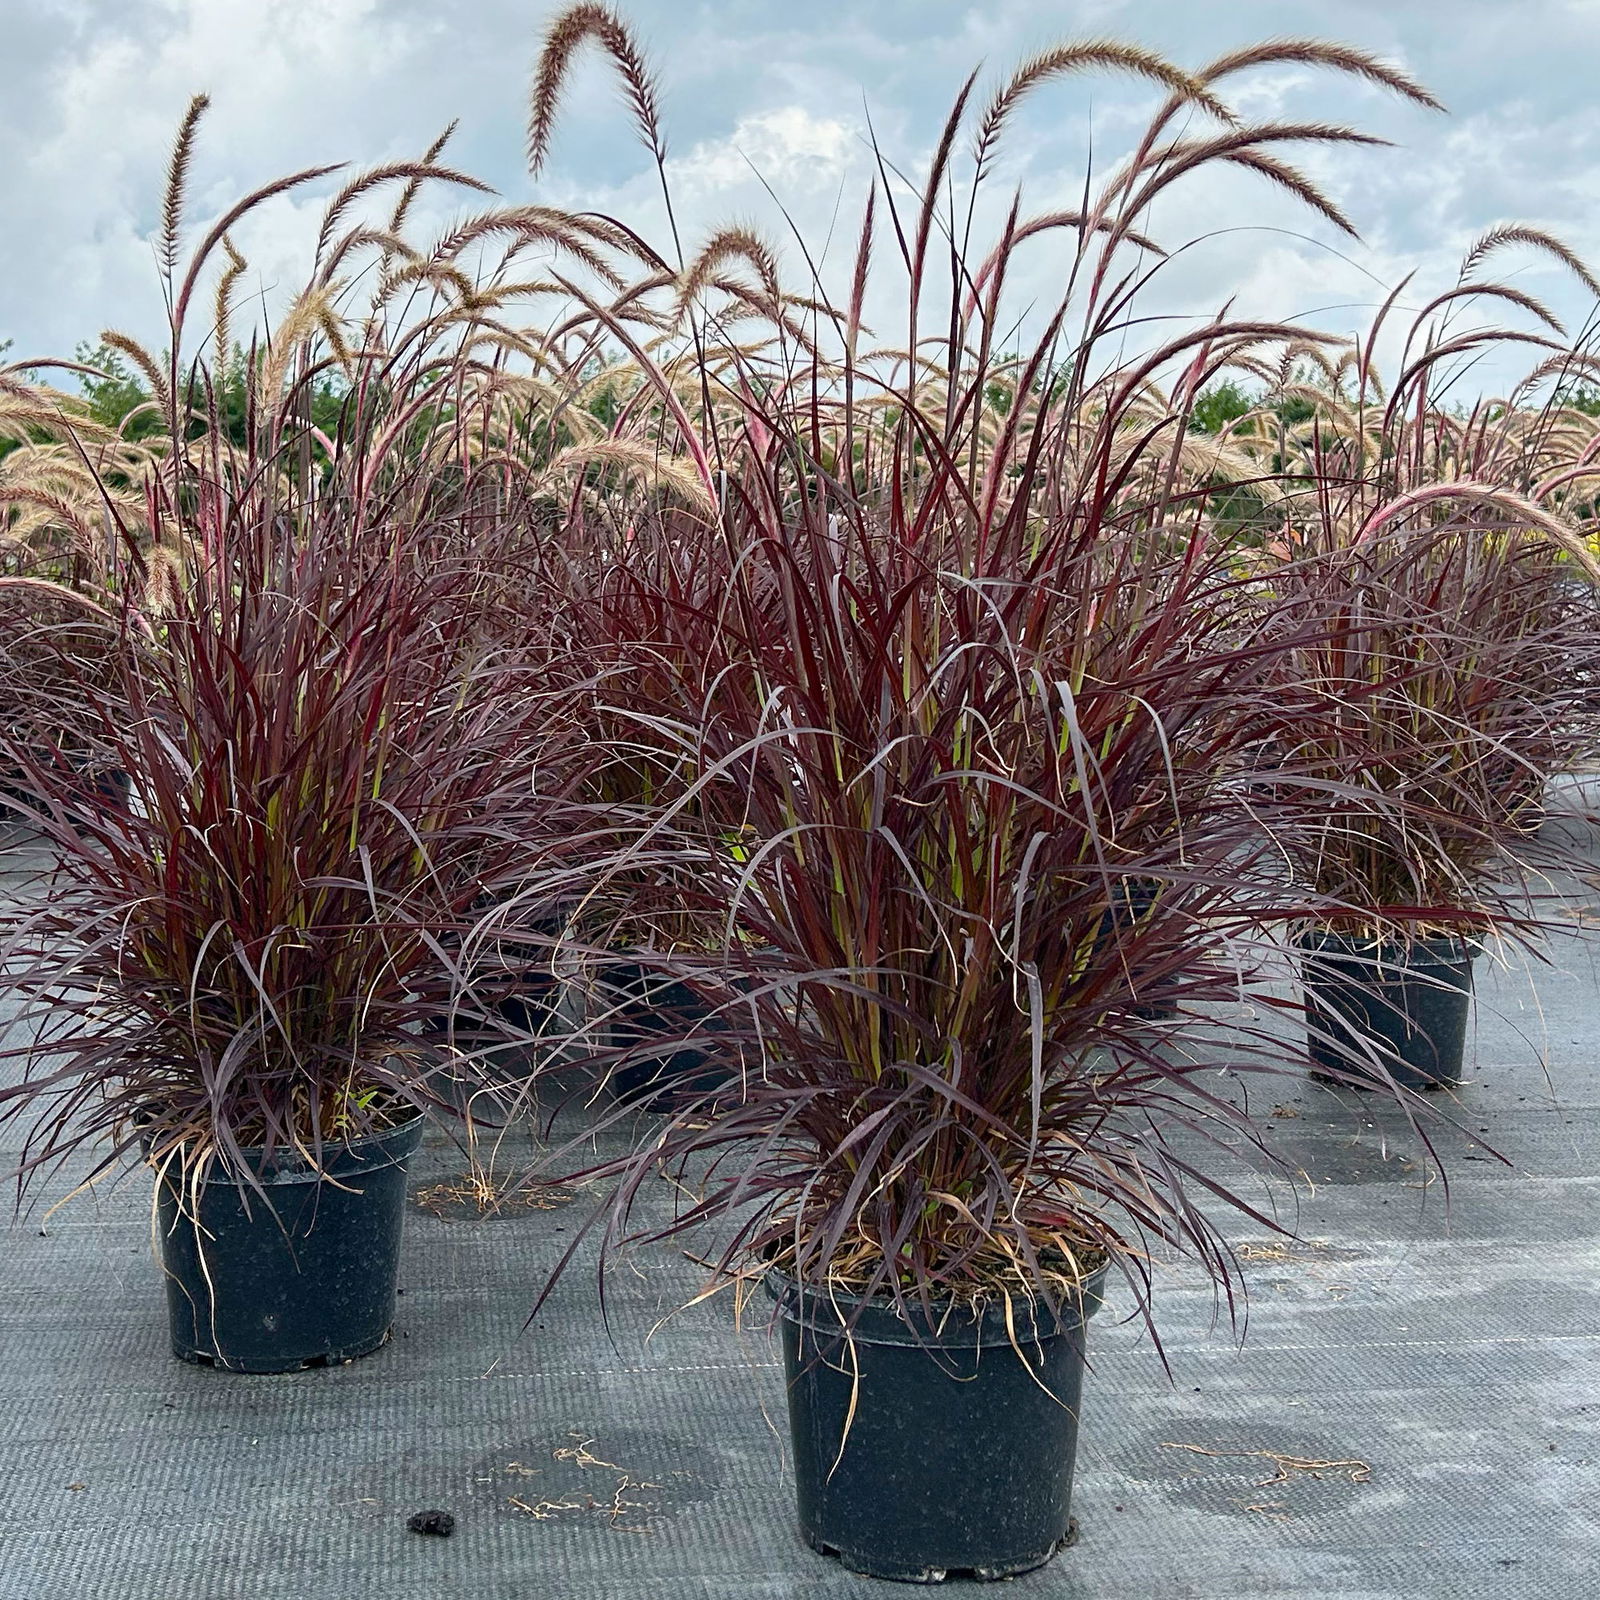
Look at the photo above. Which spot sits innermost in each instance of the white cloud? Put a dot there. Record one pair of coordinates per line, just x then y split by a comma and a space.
788, 147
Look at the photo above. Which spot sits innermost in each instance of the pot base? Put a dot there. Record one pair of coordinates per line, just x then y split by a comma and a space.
1365, 1084
864, 1567
260, 1367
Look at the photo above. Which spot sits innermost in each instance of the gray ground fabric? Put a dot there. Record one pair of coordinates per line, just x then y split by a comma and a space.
1440, 1351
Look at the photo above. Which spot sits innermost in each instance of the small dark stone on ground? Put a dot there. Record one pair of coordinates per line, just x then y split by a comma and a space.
439, 1523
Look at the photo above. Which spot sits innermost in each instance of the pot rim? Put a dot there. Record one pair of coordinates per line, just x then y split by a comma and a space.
1319, 940
953, 1325
340, 1158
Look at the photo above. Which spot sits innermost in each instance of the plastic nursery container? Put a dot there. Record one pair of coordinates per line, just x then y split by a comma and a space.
1131, 900
102, 792
651, 1006
488, 1066
299, 1273
518, 985
958, 1459
1386, 1012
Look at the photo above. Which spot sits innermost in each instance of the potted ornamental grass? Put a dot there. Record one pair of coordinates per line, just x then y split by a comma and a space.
954, 1115
226, 977
329, 745
230, 979
1442, 576
1449, 685
981, 721
631, 941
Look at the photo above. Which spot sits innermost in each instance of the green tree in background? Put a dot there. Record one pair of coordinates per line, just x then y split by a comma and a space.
119, 395
1220, 403
1227, 400
112, 399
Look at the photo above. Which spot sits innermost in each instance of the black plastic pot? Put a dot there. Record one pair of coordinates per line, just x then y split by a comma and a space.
517, 986
1131, 899
111, 790
300, 1275
958, 1458
486, 1073
650, 1007
1382, 1013
102, 792
526, 1003
526, 999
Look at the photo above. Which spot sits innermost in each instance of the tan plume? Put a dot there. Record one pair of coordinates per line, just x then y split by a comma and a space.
566, 33
178, 182
1497, 239
1085, 56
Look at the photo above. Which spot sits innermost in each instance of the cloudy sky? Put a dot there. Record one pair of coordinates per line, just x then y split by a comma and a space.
778, 93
